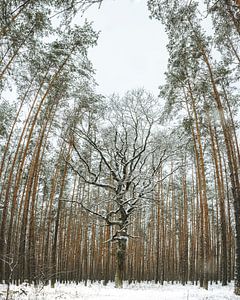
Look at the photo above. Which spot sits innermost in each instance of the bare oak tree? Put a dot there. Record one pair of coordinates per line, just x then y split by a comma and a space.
119, 155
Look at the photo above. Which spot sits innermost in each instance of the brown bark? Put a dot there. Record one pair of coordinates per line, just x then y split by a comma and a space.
220, 189
57, 222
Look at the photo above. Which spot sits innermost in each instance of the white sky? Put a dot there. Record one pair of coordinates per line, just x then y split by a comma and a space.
131, 49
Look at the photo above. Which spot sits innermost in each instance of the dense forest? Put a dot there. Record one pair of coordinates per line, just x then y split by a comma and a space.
116, 188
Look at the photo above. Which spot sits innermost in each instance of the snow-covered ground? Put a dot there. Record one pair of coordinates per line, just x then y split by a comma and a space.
142, 291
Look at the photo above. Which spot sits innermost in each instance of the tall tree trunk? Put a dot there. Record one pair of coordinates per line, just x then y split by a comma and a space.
56, 231
233, 163
120, 262
220, 189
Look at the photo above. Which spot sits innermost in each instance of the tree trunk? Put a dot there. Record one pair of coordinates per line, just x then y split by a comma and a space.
233, 166
120, 262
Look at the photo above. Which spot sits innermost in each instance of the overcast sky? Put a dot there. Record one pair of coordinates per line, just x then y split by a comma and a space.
131, 49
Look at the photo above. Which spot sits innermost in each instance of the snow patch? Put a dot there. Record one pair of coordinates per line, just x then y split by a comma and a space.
139, 291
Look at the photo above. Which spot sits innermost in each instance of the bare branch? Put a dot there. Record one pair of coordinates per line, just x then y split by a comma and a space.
97, 148
86, 208
105, 186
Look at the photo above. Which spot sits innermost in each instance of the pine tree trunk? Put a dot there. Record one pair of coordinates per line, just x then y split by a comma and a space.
56, 231
233, 163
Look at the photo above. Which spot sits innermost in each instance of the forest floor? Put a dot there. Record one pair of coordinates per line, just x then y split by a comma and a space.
140, 291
